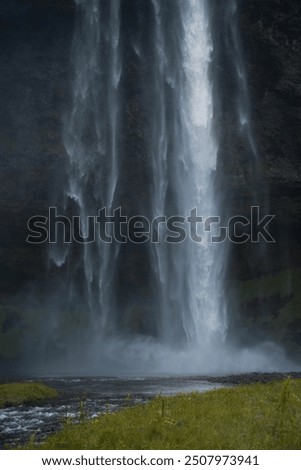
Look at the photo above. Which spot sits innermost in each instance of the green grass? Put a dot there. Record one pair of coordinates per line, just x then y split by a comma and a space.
18, 393
247, 417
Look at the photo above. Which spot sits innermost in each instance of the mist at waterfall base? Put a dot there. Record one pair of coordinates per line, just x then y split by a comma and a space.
140, 135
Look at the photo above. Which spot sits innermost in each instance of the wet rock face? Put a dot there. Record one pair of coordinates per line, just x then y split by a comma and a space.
35, 90
271, 35
270, 42
34, 79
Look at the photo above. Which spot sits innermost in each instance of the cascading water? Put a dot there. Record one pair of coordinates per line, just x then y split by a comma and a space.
91, 139
188, 305
184, 161
185, 293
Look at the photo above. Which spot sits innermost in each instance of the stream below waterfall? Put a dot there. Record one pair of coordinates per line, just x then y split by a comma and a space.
89, 396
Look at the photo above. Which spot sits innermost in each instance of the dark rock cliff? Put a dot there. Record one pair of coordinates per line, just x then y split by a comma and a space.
263, 279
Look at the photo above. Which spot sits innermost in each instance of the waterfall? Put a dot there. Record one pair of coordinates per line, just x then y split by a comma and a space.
91, 139
187, 298
184, 154
143, 84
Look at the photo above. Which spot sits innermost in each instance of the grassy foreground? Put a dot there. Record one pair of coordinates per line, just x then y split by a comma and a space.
18, 393
247, 417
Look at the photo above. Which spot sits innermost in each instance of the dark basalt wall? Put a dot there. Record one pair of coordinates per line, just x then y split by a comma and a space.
36, 37
265, 279
34, 90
